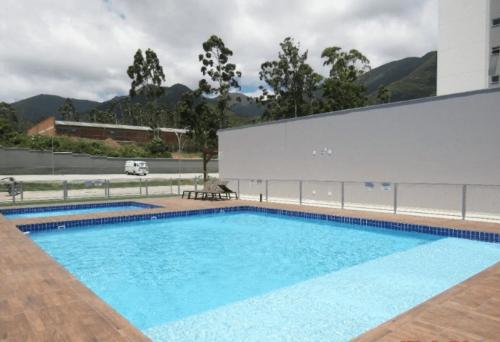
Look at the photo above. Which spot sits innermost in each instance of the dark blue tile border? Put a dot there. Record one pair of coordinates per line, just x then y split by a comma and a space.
404, 227
75, 206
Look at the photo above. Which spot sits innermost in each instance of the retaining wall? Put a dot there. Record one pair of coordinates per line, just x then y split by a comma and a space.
16, 161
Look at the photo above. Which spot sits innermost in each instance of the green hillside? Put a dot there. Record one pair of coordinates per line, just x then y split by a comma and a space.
35, 108
421, 82
407, 79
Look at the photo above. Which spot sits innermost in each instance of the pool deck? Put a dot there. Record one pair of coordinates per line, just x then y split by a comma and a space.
41, 301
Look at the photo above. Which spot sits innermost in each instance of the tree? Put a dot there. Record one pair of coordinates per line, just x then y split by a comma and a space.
198, 116
68, 111
9, 123
341, 90
9, 114
290, 83
202, 122
102, 116
383, 94
220, 75
147, 76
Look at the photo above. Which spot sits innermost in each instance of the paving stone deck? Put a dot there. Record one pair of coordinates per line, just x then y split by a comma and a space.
41, 301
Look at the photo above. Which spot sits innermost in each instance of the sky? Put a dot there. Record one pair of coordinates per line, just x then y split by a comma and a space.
81, 49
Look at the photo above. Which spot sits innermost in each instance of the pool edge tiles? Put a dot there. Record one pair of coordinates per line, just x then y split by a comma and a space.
391, 225
340, 305
8, 212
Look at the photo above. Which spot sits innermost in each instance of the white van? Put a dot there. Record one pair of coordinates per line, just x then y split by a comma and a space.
136, 167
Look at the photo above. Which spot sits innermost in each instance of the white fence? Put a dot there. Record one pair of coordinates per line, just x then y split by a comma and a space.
81, 189
461, 201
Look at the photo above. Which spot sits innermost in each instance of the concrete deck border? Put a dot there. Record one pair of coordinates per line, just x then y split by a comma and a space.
40, 300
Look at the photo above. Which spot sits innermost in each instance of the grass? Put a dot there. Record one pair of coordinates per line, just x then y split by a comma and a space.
187, 155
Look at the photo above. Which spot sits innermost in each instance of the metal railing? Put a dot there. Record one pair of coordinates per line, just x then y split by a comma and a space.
88, 189
462, 201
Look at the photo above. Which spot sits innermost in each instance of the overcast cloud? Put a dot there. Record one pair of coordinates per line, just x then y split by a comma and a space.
81, 49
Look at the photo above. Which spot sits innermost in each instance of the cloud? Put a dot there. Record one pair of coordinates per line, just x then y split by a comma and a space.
82, 48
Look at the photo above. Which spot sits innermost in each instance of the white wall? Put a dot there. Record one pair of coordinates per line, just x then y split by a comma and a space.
464, 45
450, 139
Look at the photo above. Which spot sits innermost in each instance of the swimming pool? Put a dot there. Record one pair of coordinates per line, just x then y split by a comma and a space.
72, 209
259, 276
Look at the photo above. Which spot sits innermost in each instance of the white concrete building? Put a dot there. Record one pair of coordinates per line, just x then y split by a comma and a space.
469, 45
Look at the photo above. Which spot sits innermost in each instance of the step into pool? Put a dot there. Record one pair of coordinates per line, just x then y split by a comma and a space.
72, 209
251, 276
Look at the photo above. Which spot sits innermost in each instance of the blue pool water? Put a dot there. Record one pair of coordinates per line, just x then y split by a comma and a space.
255, 277
76, 209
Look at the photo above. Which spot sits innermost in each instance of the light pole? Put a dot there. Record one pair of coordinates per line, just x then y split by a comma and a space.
52, 143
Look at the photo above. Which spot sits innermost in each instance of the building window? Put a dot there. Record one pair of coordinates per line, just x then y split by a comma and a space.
496, 22
495, 50
495, 79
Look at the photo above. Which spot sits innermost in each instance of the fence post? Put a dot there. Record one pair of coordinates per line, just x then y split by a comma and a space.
65, 190
267, 190
300, 192
178, 186
171, 186
13, 191
464, 201
108, 187
146, 187
195, 184
21, 190
342, 198
140, 186
238, 188
395, 209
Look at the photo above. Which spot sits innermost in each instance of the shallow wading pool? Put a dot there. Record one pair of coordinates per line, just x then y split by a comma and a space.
73, 209
253, 276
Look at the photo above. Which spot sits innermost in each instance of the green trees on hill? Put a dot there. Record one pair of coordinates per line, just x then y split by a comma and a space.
147, 76
290, 88
68, 111
9, 123
290, 83
220, 76
383, 94
341, 89
197, 114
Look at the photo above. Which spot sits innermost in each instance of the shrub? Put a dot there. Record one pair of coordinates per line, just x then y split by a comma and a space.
87, 146
157, 147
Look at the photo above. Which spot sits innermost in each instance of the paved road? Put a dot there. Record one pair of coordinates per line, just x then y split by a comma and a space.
35, 178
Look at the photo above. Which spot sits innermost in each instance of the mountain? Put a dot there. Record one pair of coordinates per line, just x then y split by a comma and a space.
240, 105
171, 95
407, 79
35, 108
245, 106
